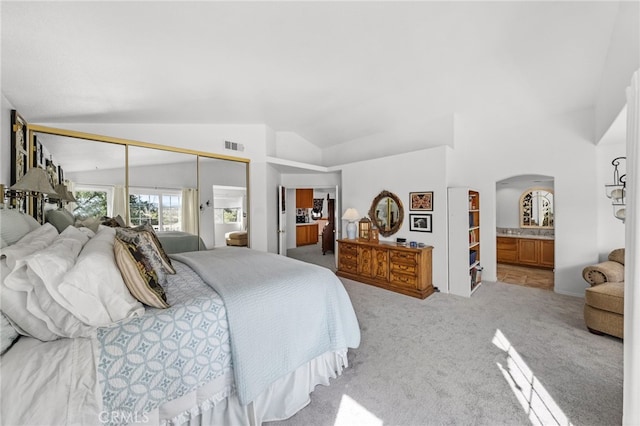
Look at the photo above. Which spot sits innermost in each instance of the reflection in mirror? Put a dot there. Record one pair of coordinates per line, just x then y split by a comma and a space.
94, 172
387, 213
223, 200
536, 208
160, 187
192, 199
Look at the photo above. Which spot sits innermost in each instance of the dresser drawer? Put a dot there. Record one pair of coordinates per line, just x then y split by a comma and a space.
405, 257
348, 249
349, 257
403, 280
350, 267
405, 268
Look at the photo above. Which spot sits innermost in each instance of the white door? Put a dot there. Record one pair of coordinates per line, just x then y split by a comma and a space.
337, 227
282, 221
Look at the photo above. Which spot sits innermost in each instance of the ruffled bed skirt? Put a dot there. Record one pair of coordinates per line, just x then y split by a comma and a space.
216, 403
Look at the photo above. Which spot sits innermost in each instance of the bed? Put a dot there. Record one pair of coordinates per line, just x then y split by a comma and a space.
244, 338
180, 242
172, 241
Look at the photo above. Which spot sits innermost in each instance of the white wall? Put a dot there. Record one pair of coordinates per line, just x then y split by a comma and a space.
311, 180
425, 133
5, 141
272, 211
623, 59
561, 147
610, 230
291, 146
417, 171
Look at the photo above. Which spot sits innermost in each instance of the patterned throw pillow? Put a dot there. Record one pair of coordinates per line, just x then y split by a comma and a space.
141, 279
145, 236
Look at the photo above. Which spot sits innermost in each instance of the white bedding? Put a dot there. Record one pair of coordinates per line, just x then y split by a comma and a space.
57, 386
55, 381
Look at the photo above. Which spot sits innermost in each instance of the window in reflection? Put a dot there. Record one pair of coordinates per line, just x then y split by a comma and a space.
90, 203
162, 211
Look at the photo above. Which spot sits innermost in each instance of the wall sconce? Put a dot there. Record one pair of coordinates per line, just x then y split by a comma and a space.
62, 194
351, 215
617, 190
34, 183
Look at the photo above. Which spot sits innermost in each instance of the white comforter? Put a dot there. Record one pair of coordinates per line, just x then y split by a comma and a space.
67, 394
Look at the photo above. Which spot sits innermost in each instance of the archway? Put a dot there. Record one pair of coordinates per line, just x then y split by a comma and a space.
525, 248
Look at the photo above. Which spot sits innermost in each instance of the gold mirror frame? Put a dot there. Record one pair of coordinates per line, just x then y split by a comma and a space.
526, 209
386, 231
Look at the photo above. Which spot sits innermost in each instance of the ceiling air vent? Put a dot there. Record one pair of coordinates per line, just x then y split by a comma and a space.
233, 146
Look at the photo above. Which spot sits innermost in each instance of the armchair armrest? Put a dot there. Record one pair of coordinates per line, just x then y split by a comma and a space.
603, 272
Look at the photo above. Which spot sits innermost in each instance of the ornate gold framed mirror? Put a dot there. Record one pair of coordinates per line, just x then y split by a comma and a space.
387, 213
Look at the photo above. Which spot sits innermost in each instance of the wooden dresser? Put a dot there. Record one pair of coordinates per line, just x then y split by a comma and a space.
401, 269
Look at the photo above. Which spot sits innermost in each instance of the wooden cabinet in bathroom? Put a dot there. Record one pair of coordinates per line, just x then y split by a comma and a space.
536, 252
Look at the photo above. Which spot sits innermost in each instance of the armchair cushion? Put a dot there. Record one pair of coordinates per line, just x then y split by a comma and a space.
607, 297
607, 271
617, 255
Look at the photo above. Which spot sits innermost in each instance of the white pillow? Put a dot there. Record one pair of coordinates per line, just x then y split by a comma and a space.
13, 225
8, 334
93, 290
14, 306
31, 221
91, 223
35, 240
35, 275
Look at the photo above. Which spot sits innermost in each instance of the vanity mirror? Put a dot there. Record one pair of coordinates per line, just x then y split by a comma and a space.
387, 213
141, 182
536, 208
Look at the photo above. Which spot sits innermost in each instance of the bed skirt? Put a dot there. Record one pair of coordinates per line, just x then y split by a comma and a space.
216, 403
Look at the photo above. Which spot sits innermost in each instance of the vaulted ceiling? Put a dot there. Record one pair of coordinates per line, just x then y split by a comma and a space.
332, 72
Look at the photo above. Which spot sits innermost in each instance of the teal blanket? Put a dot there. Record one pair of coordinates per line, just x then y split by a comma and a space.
281, 312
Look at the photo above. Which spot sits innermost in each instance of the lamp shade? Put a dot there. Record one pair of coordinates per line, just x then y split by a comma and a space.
35, 180
63, 194
351, 215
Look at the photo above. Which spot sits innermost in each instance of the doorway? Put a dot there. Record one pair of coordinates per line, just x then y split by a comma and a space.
525, 231
319, 249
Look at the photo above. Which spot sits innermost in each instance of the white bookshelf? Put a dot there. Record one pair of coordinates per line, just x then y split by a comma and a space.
464, 241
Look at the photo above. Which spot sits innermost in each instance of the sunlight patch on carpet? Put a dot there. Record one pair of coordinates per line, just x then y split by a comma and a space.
534, 398
351, 413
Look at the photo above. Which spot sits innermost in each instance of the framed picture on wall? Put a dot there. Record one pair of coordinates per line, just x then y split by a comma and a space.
420, 222
421, 201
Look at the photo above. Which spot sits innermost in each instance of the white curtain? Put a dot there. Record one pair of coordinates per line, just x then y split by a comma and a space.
190, 210
119, 203
631, 408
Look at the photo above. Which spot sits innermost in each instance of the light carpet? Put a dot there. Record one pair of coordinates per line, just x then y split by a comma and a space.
509, 355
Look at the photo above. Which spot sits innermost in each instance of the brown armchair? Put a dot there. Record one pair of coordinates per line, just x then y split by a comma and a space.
604, 300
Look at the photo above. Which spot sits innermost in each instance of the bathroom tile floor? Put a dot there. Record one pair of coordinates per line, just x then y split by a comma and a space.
527, 277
